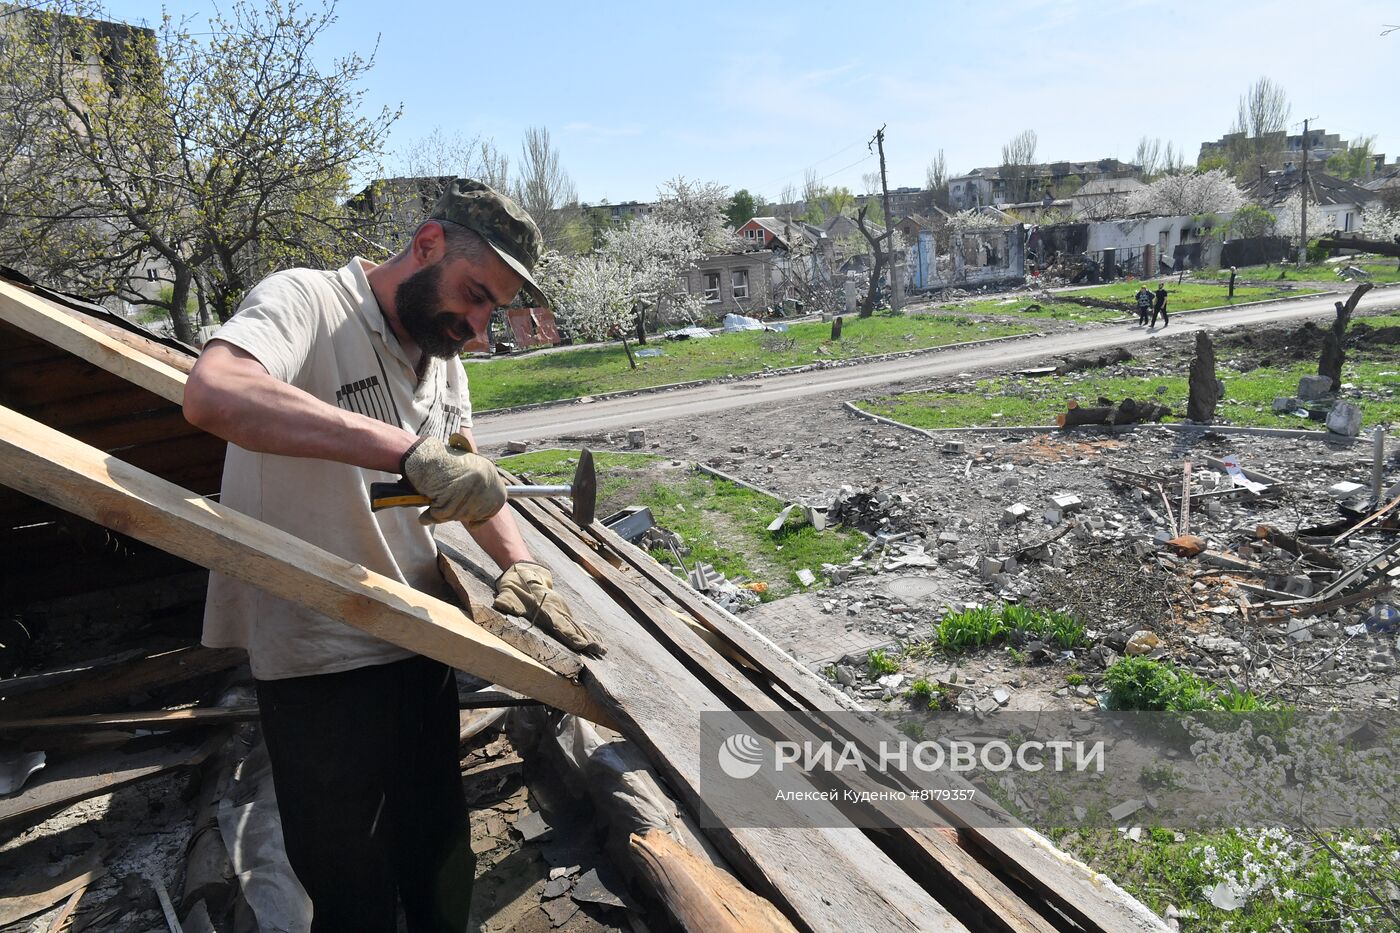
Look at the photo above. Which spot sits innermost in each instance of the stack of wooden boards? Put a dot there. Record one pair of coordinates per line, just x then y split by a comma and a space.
672, 655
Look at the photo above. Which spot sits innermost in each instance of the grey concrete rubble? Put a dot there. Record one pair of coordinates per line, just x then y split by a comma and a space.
1344, 419
1314, 387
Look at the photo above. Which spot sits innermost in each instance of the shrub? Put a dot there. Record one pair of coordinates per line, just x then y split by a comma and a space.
880, 663
1147, 684
985, 625
926, 692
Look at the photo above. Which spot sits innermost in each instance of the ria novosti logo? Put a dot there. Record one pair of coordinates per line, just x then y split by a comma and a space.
740, 756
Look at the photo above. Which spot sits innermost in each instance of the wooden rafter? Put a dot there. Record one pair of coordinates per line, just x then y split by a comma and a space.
57, 469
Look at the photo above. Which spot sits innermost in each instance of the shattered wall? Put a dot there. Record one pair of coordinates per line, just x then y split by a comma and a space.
974, 257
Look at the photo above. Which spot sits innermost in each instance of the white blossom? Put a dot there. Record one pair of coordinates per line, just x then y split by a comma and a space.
1187, 194
1380, 224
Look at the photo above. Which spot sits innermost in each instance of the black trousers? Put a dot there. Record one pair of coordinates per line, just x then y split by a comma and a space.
1156, 310
365, 764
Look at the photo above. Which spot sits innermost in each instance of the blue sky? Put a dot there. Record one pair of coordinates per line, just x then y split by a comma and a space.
753, 94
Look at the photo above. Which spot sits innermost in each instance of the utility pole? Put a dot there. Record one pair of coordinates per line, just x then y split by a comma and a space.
1303, 233
889, 220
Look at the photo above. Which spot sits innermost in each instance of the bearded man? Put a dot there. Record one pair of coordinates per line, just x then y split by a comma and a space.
322, 383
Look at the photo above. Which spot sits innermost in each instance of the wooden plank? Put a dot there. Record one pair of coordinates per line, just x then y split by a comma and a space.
57, 380
86, 686
63, 915
1375, 516
52, 466
796, 681
181, 357
958, 872
133, 429
475, 596
53, 325
138, 719
1067, 884
158, 719
82, 872
174, 453
822, 878
179, 360
103, 772
71, 413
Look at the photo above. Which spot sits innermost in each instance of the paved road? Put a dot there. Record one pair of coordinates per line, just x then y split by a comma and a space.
622, 413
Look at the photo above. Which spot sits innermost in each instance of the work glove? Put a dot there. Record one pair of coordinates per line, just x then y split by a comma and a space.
527, 590
460, 485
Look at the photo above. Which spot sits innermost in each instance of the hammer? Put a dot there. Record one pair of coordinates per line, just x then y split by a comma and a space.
583, 491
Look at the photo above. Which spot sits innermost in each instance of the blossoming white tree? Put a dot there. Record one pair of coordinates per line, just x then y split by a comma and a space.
1212, 192
642, 266
1380, 223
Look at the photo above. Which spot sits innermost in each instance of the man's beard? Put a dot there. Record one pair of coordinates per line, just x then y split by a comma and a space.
418, 302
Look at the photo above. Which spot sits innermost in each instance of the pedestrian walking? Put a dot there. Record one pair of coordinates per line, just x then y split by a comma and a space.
1160, 307
1144, 304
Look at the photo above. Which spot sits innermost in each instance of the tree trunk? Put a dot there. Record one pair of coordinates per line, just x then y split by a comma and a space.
630, 360
868, 307
179, 301
1204, 389
1380, 247
1333, 354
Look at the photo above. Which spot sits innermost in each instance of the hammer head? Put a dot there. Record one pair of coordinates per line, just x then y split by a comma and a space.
585, 489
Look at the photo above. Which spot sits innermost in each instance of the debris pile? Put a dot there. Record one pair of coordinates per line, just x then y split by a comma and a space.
877, 511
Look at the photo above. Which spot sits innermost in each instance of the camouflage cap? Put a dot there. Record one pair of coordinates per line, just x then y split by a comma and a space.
501, 222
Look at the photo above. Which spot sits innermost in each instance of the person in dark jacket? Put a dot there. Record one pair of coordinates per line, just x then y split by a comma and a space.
1160, 307
1144, 304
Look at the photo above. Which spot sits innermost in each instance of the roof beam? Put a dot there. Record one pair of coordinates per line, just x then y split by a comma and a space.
49, 465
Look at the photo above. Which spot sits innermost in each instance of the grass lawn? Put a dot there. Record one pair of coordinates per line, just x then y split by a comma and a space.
546, 377
1382, 271
722, 524
1020, 400
1029, 307
1188, 296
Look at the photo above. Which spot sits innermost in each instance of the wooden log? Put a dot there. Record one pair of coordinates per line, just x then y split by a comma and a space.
699, 897
51, 466
1380, 247
1077, 415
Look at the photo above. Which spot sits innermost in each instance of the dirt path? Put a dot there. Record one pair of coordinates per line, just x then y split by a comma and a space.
715, 398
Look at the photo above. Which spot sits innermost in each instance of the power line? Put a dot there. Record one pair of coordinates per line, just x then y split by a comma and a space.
813, 165
864, 158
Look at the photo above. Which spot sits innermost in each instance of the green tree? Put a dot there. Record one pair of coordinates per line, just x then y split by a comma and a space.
742, 208
1357, 161
1251, 220
875, 211
209, 158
